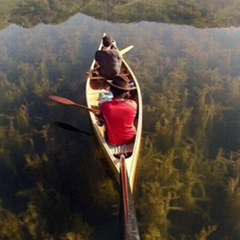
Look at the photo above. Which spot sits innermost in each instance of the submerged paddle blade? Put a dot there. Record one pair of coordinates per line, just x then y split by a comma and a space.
70, 128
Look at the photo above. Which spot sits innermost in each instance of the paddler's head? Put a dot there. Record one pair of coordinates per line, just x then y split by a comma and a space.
120, 86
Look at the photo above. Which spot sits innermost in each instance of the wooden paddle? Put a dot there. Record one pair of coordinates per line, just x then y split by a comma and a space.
128, 220
65, 101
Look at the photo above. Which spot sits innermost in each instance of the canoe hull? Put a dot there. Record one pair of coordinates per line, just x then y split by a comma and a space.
96, 85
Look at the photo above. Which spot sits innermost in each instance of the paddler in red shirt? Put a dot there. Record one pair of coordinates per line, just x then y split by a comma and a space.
119, 113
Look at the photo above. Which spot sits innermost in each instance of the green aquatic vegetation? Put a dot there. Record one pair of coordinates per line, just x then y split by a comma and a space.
107, 194
30, 221
205, 232
10, 227
10, 93
233, 202
206, 111
174, 116
35, 162
173, 188
22, 117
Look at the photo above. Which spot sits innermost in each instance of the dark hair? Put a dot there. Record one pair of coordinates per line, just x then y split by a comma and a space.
107, 40
119, 93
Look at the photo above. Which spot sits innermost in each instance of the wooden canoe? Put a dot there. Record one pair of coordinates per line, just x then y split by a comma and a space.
96, 85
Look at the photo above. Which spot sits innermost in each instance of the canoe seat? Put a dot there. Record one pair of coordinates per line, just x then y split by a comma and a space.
125, 149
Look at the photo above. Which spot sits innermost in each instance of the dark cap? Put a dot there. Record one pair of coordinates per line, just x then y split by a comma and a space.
120, 82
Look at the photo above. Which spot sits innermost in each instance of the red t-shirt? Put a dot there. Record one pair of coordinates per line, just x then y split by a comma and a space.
119, 120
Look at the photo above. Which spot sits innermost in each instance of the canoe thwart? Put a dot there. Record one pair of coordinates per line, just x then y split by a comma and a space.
98, 78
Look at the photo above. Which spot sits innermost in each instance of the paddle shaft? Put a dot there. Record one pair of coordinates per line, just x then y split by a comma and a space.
124, 184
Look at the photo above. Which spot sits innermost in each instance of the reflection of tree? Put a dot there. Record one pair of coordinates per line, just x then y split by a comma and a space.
29, 13
194, 12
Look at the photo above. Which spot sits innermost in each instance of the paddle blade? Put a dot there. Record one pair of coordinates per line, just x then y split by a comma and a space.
125, 50
61, 100
65, 101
